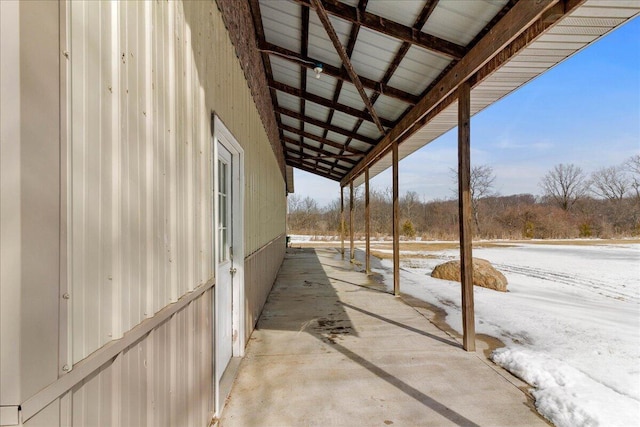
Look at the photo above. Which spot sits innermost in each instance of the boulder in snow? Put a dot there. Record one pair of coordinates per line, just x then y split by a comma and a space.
483, 274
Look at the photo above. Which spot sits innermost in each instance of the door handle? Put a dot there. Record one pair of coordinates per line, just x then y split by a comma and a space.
233, 270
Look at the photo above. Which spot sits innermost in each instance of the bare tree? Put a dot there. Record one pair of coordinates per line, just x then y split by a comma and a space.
565, 184
293, 202
481, 185
408, 203
632, 166
610, 183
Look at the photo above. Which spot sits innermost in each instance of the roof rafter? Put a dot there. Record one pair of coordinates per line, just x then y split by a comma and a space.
338, 73
392, 29
326, 102
324, 125
319, 139
304, 47
320, 151
312, 168
517, 23
346, 62
424, 15
254, 6
351, 44
318, 158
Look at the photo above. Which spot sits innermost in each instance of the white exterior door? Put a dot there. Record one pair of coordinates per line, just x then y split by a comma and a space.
228, 200
224, 255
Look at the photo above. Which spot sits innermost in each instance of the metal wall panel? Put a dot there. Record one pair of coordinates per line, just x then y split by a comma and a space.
163, 380
261, 270
10, 207
140, 81
140, 170
29, 200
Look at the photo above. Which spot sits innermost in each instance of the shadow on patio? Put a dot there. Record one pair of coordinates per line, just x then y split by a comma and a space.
330, 349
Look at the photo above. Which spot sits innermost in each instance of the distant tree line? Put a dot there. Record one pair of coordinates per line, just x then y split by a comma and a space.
573, 204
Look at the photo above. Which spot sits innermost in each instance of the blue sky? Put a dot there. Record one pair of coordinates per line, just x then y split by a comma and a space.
584, 111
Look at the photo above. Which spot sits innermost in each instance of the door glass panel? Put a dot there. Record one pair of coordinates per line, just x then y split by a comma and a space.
223, 212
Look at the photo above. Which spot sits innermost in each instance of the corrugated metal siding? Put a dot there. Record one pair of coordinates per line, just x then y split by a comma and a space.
30, 200
163, 380
260, 269
227, 94
140, 152
145, 78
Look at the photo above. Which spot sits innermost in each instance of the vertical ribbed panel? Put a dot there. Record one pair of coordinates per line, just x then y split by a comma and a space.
145, 78
140, 178
260, 271
153, 383
91, 173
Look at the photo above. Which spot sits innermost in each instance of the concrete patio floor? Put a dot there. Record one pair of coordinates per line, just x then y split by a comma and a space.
332, 349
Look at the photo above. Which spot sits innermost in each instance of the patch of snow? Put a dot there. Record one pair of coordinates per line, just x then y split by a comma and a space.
566, 396
571, 318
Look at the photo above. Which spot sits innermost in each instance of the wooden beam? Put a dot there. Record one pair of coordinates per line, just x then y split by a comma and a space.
304, 47
342, 221
392, 29
326, 102
294, 155
367, 222
313, 168
338, 73
254, 6
513, 24
319, 157
351, 44
346, 62
395, 63
464, 215
320, 139
303, 162
326, 126
396, 224
426, 12
352, 254
320, 151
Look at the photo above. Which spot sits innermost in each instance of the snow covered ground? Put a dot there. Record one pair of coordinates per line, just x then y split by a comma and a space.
570, 322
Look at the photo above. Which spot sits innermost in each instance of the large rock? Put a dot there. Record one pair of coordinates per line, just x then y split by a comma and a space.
483, 274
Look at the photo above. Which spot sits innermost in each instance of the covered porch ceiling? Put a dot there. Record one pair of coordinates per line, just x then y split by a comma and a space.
390, 69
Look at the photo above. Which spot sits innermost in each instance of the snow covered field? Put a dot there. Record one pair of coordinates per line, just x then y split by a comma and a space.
570, 322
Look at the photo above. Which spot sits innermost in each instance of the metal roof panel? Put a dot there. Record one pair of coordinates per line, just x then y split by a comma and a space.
403, 12
324, 86
281, 23
461, 20
350, 97
287, 101
389, 108
369, 129
320, 46
284, 71
417, 70
316, 111
343, 120
372, 54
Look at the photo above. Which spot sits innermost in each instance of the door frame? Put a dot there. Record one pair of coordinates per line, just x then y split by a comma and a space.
222, 135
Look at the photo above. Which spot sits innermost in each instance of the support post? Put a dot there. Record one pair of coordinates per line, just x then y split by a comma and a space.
352, 253
396, 224
342, 221
464, 214
367, 223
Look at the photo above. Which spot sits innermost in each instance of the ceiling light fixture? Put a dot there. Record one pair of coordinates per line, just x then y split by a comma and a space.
318, 70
